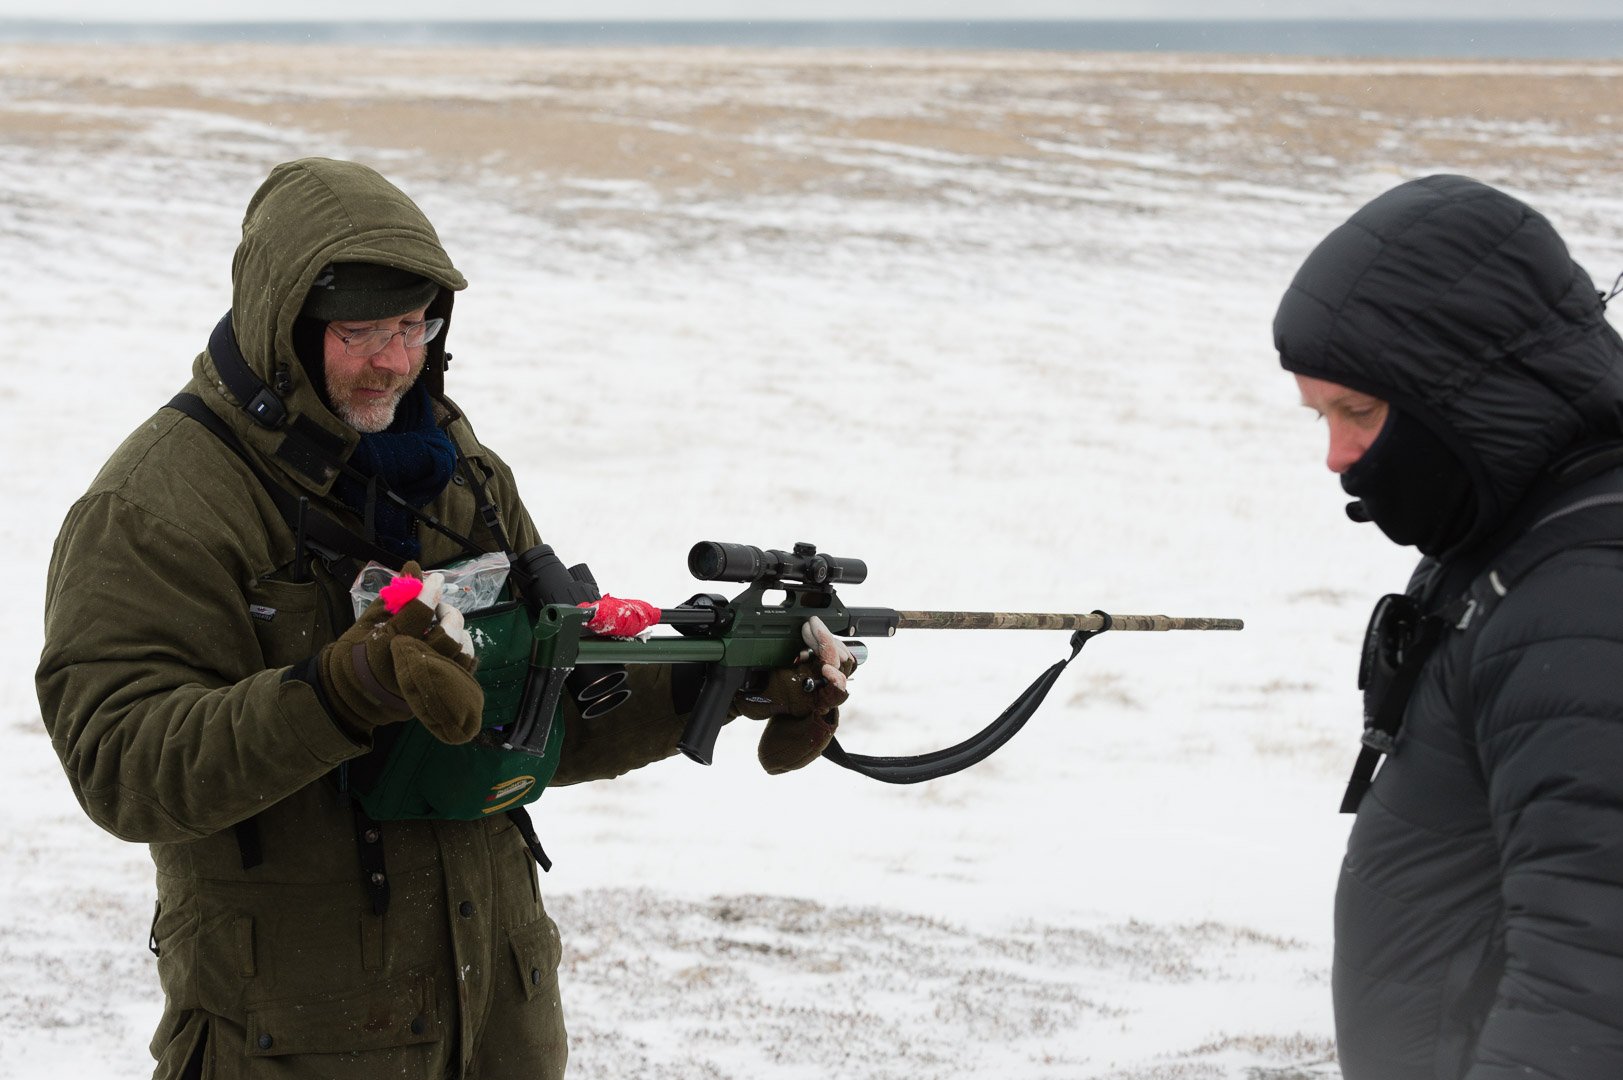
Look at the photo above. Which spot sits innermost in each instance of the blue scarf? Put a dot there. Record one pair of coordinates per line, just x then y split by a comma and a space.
414, 458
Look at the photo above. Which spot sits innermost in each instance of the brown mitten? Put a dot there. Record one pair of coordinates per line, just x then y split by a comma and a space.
390, 667
793, 742
801, 703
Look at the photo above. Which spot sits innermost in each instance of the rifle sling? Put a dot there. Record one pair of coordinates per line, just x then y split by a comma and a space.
917, 768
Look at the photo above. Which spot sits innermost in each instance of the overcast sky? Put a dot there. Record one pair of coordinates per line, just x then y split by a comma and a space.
256, 10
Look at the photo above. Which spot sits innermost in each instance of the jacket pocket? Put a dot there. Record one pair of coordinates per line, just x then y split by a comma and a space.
536, 952
181, 1057
283, 614
401, 1012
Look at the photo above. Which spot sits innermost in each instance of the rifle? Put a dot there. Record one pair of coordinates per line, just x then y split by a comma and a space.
740, 640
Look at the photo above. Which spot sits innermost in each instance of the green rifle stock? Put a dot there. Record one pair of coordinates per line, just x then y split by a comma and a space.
742, 639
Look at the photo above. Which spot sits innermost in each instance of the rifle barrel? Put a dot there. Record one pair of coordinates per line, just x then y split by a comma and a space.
1032, 620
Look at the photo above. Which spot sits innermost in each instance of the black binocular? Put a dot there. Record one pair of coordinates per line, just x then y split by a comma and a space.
541, 579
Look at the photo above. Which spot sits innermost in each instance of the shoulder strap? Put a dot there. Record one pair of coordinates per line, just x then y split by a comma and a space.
1386, 696
305, 445
520, 817
489, 513
317, 529
1590, 522
1596, 520
1593, 522
258, 400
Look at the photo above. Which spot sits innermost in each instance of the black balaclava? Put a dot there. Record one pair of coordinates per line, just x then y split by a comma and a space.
1461, 307
1412, 486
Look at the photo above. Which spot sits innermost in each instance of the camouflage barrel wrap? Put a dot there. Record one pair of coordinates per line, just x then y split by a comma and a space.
1033, 620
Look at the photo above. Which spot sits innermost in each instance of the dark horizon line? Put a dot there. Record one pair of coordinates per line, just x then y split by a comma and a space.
901, 20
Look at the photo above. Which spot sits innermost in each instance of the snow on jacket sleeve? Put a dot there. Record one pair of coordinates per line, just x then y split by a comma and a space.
1547, 690
153, 685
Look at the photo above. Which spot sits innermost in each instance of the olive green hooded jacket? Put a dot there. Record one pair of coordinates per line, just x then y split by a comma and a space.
172, 620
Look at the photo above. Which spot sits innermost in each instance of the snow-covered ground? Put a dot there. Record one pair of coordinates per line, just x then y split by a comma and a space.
1023, 383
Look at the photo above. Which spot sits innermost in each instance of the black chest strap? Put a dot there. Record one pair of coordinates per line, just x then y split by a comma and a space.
1595, 521
1399, 641
315, 529
520, 817
305, 446
312, 526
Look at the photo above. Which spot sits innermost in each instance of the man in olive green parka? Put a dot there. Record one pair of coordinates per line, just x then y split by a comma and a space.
181, 682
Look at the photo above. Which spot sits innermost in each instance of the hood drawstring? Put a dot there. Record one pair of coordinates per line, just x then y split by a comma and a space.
1617, 287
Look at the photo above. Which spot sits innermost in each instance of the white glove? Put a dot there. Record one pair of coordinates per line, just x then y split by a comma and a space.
450, 620
829, 650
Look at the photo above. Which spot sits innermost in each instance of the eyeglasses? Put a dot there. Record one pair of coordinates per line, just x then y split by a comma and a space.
365, 343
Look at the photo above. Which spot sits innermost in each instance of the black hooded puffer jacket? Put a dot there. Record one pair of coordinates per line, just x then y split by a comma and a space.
1479, 914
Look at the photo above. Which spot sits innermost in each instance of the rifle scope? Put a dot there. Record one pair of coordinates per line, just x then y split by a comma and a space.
712, 561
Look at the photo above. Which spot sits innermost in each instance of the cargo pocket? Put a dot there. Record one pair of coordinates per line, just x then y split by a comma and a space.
283, 614
536, 952
398, 1014
181, 1058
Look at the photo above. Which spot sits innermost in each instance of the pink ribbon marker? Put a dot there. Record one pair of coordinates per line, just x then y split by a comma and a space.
400, 592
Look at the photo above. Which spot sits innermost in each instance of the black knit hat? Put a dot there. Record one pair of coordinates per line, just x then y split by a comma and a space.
362, 291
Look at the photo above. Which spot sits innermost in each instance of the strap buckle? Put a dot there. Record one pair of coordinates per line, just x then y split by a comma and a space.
1380, 741
266, 408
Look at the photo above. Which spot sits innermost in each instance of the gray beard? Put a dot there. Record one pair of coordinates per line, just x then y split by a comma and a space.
365, 425
369, 422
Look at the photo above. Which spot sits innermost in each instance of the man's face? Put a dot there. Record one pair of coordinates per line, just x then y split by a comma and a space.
1354, 419
366, 390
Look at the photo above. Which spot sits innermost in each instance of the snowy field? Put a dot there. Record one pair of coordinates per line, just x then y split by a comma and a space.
998, 325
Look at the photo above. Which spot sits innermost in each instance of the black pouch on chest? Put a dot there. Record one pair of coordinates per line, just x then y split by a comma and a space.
1399, 640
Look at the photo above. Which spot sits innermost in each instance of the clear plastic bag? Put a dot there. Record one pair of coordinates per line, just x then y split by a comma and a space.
470, 585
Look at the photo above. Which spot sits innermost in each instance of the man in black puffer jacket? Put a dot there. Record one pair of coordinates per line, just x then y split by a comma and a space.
1473, 392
